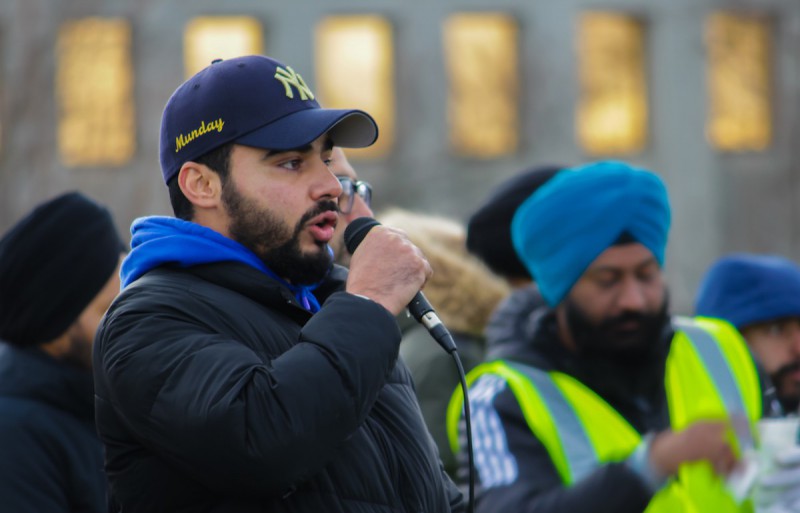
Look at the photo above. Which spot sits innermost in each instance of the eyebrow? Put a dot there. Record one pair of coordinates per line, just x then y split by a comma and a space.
327, 145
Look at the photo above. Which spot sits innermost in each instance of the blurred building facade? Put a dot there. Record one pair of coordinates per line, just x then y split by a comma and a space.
704, 92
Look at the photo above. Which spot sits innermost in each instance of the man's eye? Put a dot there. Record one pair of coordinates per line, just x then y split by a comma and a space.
647, 276
293, 164
606, 282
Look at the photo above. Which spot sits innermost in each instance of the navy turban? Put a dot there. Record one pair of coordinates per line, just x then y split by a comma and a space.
748, 289
52, 265
489, 228
579, 213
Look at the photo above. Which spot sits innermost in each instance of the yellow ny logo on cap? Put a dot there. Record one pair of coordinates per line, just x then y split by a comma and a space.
289, 78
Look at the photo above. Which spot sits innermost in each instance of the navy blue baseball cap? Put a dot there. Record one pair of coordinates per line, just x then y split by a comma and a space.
255, 101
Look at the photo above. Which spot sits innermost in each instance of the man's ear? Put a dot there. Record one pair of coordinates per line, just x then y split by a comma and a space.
200, 184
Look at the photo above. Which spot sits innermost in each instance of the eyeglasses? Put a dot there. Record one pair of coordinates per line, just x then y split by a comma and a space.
351, 188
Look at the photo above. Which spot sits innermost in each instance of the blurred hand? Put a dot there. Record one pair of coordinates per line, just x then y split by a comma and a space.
387, 268
700, 441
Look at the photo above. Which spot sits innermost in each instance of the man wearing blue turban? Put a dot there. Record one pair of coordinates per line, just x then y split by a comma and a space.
610, 404
760, 296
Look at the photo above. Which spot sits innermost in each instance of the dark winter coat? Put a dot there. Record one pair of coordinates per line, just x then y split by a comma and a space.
217, 392
51, 459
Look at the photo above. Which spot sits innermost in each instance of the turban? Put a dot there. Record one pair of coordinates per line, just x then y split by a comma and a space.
747, 289
52, 265
561, 228
489, 227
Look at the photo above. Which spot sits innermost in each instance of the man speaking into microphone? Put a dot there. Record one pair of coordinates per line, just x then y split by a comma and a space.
239, 370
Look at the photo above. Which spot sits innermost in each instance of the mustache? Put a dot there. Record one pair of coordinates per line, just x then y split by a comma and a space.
626, 317
784, 370
321, 207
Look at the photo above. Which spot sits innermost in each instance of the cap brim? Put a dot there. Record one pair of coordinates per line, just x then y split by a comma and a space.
348, 129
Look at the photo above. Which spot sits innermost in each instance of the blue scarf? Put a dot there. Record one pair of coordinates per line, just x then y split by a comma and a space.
161, 240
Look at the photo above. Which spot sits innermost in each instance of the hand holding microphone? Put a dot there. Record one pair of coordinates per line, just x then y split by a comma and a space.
390, 274
387, 267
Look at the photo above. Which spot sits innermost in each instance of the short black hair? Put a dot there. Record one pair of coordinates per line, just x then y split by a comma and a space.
218, 160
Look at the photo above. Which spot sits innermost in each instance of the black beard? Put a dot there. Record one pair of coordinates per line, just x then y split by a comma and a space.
788, 403
273, 242
607, 340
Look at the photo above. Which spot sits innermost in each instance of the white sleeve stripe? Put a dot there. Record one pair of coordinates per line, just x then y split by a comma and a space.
496, 466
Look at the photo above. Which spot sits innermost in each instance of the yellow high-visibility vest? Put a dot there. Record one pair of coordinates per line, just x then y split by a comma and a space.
710, 375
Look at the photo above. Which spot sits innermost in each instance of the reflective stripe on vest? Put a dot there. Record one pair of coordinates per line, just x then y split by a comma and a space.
578, 449
709, 375
720, 370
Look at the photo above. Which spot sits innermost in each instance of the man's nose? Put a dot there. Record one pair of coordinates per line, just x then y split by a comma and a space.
326, 184
632, 296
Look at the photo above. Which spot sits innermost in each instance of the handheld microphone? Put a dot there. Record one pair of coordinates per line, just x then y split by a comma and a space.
419, 307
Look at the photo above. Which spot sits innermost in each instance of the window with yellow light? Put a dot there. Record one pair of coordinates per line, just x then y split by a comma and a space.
481, 56
94, 92
354, 57
207, 38
612, 111
739, 81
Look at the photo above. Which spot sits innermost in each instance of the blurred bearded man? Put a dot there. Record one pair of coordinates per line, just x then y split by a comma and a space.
59, 272
760, 295
609, 405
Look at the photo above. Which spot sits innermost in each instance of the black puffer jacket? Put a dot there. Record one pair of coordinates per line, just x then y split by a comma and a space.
216, 391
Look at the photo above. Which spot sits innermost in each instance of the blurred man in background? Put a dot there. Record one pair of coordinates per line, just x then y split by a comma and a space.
355, 202
760, 295
604, 406
59, 272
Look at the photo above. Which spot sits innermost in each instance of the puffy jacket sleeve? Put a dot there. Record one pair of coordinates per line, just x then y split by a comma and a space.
515, 473
211, 406
457, 500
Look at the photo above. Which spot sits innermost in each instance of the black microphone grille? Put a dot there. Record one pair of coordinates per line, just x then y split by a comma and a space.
356, 231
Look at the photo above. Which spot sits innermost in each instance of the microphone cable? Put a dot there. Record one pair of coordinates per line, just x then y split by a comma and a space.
468, 428
442, 336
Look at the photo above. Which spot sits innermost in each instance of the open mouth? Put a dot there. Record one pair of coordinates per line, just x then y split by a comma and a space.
323, 226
